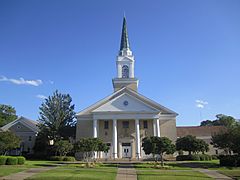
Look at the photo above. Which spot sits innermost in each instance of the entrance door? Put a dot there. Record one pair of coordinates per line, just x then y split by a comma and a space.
126, 150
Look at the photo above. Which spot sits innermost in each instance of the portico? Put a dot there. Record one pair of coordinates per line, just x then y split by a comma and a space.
136, 139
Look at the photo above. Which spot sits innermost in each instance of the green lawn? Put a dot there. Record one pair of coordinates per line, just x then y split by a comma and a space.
106, 173
10, 169
6, 170
171, 175
234, 173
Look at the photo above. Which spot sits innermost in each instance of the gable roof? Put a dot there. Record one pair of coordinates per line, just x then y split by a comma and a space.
150, 103
26, 122
199, 130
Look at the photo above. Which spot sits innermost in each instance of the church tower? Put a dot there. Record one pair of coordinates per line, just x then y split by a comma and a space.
125, 64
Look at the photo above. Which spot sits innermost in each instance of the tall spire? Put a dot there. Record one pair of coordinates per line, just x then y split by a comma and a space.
124, 39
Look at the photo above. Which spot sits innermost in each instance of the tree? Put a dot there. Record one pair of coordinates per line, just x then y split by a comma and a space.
7, 114
202, 146
90, 145
158, 145
63, 147
228, 140
191, 144
222, 120
57, 116
8, 141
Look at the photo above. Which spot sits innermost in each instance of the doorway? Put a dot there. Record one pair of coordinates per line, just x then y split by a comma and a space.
126, 150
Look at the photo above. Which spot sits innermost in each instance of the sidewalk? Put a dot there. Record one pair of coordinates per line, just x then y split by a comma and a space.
126, 171
213, 174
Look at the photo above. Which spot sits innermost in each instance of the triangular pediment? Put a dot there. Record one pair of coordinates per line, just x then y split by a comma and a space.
125, 103
136, 103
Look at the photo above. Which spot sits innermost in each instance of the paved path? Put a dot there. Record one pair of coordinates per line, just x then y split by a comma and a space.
26, 174
126, 171
213, 174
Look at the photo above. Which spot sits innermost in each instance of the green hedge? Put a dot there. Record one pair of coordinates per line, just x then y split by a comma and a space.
3, 160
62, 158
230, 160
194, 157
56, 158
69, 158
21, 159
12, 160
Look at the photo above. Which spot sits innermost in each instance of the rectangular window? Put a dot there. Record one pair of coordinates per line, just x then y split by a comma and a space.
145, 124
125, 124
30, 138
105, 124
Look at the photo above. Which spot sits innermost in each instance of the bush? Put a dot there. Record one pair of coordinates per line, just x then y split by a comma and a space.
214, 157
12, 160
56, 158
230, 160
194, 157
3, 160
21, 159
69, 158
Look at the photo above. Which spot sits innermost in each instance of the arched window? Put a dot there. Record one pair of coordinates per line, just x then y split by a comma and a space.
125, 71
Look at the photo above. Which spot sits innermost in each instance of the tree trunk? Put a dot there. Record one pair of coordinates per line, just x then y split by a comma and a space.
161, 155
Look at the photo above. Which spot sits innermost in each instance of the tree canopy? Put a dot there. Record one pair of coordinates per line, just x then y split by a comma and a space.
7, 114
158, 145
63, 147
57, 116
191, 144
8, 141
222, 120
90, 145
228, 140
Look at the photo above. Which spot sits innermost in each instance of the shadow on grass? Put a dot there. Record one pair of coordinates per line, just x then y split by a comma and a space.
173, 175
204, 165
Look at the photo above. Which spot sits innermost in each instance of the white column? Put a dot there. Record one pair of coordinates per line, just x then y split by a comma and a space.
119, 70
114, 144
138, 152
95, 128
154, 127
157, 128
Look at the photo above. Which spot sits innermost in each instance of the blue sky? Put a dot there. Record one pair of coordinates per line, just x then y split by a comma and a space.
187, 53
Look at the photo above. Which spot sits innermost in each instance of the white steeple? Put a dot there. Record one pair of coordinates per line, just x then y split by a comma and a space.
125, 63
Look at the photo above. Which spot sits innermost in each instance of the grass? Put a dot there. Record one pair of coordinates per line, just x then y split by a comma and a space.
171, 175
10, 169
7, 170
234, 173
71, 172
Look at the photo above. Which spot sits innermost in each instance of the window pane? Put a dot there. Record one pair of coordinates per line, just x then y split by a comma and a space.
145, 124
105, 124
125, 124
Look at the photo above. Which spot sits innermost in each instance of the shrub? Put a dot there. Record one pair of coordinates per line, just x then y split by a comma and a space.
230, 160
69, 158
12, 160
194, 157
184, 158
214, 157
3, 160
21, 159
56, 158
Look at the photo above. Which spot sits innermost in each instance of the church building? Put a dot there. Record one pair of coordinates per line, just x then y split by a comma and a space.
125, 117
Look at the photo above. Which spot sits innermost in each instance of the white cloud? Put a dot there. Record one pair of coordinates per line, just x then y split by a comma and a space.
41, 96
22, 81
201, 104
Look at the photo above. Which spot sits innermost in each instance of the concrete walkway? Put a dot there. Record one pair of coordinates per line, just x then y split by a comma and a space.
27, 173
213, 174
126, 171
